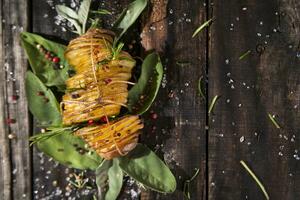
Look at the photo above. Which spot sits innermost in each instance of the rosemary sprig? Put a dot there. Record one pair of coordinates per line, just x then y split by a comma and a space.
51, 132
200, 88
200, 28
186, 186
101, 12
256, 179
273, 121
117, 50
244, 55
212, 105
182, 63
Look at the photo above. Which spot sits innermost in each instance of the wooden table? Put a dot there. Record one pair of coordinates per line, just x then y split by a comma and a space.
264, 81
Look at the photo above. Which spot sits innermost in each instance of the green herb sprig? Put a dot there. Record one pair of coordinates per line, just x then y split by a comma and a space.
200, 28
255, 179
186, 185
274, 122
212, 104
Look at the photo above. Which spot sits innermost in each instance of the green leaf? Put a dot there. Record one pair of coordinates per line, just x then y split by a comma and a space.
66, 12
129, 16
70, 15
83, 13
41, 66
115, 181
111, 173
144, 166
143, 93
70, 150
41, 101
102, 177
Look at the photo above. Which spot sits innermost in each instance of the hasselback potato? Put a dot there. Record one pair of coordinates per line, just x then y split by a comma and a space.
97, 92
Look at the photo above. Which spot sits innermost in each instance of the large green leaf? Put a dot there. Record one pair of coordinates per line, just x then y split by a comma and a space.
78, 19
144, 166
109, 179
41, 101
41, 66
102, 178
83, 13
129, 16
70, 15
143, 93
115, 181
70, 150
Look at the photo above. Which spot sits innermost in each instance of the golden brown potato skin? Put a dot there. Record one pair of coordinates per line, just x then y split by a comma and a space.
98, 90
113, 139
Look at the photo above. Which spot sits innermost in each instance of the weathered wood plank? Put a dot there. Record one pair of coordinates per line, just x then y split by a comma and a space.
178, 133
265, 81
15, 153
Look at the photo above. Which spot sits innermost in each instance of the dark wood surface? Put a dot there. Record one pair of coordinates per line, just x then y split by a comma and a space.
266, 81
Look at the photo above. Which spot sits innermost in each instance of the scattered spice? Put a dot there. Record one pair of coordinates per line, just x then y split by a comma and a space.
11, 136
10, 121
56, 60
154, 116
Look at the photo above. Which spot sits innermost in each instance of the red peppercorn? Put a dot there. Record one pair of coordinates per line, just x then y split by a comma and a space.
48, 55
103, 119
154, 116
107, 81
55, 59
14, 97
40, 93
91, 122
10, 121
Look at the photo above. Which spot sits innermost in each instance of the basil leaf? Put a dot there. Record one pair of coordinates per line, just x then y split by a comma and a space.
41, 101
128, 17
71, 16
66, 12
144, 166
70, 150
111, 173
102, 177
41, 66
143, 93
83, 13
115, 181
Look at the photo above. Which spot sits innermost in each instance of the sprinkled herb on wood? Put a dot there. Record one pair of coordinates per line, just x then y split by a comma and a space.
255, 179
212, 104
272, 118
205, 24
182, 63
244, 55
200, 88
186, 185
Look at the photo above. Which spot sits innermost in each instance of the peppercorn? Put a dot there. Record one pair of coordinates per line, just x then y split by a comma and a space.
55, 59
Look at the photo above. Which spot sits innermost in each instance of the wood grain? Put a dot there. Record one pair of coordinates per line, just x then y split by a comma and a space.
178, 134
266, 81
15, 153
